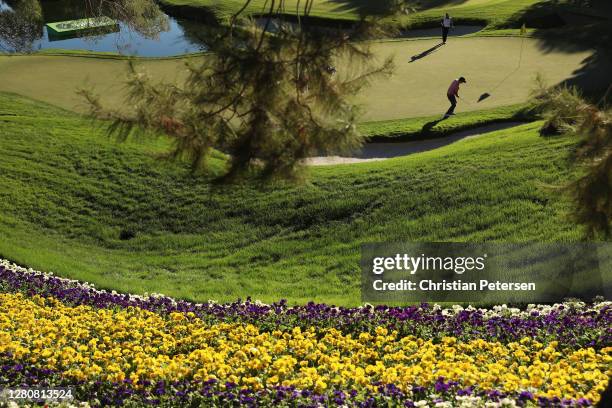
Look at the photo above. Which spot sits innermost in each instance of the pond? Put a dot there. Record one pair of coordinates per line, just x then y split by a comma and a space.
178, 36
23, 28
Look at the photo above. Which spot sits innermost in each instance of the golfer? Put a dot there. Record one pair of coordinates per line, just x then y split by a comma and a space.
447, 23
453, 94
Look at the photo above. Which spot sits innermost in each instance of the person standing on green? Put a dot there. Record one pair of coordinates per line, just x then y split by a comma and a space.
447, 24
452, 94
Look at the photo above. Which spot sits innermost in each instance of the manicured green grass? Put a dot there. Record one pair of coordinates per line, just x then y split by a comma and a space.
68, 193
416, 89
494, 13
329, 9
433, 126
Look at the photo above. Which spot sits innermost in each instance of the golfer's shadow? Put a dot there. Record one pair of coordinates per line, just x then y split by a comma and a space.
425, 53
426, 129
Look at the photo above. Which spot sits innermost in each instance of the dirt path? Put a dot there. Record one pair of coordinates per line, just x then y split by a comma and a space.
383, 151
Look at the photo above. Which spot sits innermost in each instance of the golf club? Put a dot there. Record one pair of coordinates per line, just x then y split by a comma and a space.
464, 100
520, 61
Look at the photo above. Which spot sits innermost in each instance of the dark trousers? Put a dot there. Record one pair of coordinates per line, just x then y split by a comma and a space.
453, 101
445, 33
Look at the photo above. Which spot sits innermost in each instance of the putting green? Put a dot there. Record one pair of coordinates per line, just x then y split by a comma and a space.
416, 89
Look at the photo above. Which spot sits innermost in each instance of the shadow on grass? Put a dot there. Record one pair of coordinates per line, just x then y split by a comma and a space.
363, 7
593, 77
394, 148
366, 7
425, 53
426, 129
585, 28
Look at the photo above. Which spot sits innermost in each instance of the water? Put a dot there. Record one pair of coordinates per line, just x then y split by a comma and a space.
178, 37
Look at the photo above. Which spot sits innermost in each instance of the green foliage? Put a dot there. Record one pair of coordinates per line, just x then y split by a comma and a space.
560, 106
269, 100
20, 27
592, 191
567, 112
394, 7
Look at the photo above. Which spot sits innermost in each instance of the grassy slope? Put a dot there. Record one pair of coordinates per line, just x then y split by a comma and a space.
68, 192
416, 89
497, 13
331, 9
432, 126
494, 13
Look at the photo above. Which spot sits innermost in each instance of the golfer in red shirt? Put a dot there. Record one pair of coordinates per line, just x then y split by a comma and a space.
453, 94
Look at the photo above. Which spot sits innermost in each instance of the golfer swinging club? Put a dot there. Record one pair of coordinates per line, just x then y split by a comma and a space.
453, 94
447, 23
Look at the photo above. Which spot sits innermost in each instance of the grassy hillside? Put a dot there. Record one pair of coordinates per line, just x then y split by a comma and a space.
329, 9
496, 13
493, 13
76, 203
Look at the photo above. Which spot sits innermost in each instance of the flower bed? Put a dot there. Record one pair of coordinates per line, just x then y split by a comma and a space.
122, 349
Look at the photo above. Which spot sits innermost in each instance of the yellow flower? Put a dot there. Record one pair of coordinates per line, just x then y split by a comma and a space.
85, 343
